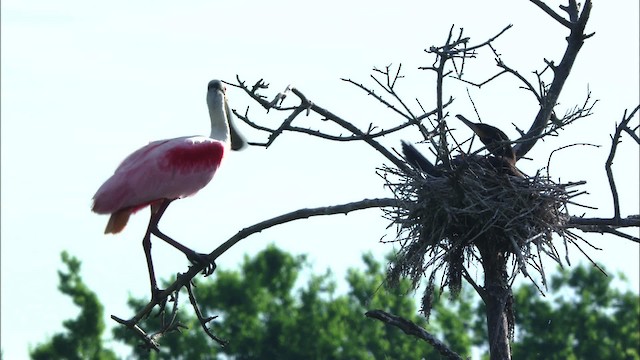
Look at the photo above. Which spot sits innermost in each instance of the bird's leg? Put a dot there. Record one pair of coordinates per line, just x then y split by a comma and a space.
146, 245
194, 257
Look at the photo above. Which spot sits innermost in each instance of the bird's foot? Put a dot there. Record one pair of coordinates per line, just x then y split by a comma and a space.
155, 297
203, 260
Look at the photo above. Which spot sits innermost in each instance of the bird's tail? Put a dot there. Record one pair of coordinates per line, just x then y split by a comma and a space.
417, 160
117, 221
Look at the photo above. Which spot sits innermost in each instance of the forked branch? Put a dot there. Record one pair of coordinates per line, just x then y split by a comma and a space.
576, 23
610, 225
185, 279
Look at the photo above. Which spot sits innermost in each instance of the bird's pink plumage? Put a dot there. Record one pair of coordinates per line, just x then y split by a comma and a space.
165, 169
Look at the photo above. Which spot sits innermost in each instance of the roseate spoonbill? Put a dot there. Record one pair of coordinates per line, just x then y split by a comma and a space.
165, 170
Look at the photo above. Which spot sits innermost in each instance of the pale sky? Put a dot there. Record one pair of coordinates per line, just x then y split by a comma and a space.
85, 83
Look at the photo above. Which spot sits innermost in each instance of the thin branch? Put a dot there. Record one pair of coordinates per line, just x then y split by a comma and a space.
310, 106
615, 140
562, 148
203, 321
575, 40
184, 279
479, 85
354, 130
317, 133
471, 48
412, 329
629, 221
377, 97
526, 82
566, 23
150, 342
302, 214
479, 290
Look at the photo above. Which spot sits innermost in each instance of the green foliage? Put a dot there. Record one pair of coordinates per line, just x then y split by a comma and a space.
264, 317
588, 319
585, 318
82, 338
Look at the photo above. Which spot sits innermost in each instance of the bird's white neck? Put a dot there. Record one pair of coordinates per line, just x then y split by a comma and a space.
218, 115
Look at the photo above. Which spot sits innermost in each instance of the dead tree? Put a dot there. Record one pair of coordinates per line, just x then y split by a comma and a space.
459, 209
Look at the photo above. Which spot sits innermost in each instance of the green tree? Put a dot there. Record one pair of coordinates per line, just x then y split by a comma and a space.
584, 318
264, 317
82, 338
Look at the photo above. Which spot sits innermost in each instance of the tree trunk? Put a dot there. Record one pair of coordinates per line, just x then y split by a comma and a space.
497, 300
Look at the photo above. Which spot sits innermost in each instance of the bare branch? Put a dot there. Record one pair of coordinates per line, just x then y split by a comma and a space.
301, 214
318, 133
526, 82
311, 107
562, 148
566, 23
629, 221
575, 40
377, 97
412, 329
615, 140
149, 341
184, 279
203, 321
488, 42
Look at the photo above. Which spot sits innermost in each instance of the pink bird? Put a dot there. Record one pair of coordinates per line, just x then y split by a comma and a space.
165, 170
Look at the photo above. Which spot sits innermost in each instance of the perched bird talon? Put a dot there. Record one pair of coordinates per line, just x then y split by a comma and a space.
155, 296
202, 260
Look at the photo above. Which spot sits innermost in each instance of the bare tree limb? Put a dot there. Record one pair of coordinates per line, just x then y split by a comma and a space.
203, 321
412, 329
301, 214
561, 72
615, 140
630, 221
566, 23
317, 133
184, 279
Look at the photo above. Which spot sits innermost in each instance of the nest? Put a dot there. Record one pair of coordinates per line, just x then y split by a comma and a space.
469, 213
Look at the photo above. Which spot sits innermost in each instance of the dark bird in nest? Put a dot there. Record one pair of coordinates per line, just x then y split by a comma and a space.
498, 144
417, 160
495, 140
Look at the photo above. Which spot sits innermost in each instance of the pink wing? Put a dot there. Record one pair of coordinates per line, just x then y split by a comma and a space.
164, 169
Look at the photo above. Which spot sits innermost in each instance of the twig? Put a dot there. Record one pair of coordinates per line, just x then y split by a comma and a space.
615, 140
412, 329
575, 40
203, 321
562, 148
552, 13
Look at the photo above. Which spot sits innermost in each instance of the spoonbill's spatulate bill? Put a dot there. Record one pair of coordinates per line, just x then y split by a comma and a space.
165, 170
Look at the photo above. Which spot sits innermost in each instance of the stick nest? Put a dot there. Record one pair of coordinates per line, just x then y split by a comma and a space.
468, 213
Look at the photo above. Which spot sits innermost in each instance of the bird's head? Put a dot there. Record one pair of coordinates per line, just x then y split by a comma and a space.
495, 140
216, 93
221, 115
